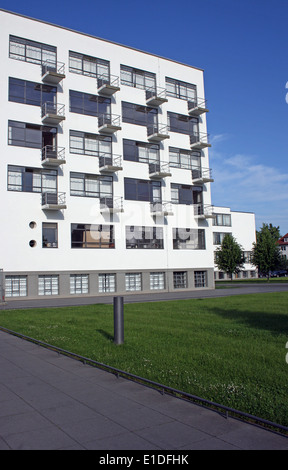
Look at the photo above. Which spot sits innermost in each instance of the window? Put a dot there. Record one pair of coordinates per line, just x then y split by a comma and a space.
90, 105
32, 93
24, 134
31, 180
78, 283
181, 90
31, 51
92, 236
15, 286
200, 278
185, 159
157, 281
91, 185
218, 237
94, 145
49, 235
182, 123
107, 283
89, 66
222, 219
185, 194
140, 151
189, 239
142, 190
144, 237
48, 285
133, 281
139, 115
137, 78
180, 279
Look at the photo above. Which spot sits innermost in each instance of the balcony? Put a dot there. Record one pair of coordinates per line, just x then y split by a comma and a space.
156, 96
159, 170
197, 107
202, 175
53, 156
157, 133
203, 212
161, 209
199, 141
111, 205
109, 123
110, 163
52, 113
108, 85
52, 72
53, 201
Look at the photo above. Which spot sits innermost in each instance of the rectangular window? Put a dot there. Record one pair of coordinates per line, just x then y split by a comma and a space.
87, 65
90, 105
144, 237
181, 90
137, 78
180, 279
23, 134
107, 283
49, 235
183, 124
86, 185
139, 115
31, 179
140, 151
48, 285
133, 281
188, 239
79, 284
94, 145
185, 159
157, 281
92, 236
15, 286
142, 190
32, 93
200, 278
222, 219
31, 51
185, 194
218, 237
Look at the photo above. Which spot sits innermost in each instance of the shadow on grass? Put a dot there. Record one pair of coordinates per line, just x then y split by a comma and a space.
106, 334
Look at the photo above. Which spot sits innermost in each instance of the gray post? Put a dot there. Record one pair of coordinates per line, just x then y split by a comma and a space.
118, 320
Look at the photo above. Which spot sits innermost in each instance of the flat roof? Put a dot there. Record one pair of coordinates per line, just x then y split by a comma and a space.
100, 39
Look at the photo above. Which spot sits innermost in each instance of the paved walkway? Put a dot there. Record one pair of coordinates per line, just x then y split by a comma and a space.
49, 401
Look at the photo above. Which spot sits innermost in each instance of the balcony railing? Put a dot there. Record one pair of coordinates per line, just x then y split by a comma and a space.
159, 170
199, 140
108, 84
109, 123
53, 200
202, 175
111, 204
197, 106
202, 211
157, 132
52, 113
163, 208
110, 163
53, 156
52, 72
156, 96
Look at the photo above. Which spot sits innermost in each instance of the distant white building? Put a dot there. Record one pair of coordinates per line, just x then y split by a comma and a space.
242, 226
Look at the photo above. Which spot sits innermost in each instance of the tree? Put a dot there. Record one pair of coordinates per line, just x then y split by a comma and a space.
229, 257
266, 253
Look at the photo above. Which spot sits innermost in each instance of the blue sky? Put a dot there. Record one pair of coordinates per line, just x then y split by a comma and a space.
242, 46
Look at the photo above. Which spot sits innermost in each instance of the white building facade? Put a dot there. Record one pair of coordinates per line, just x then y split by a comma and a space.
105, 177
241, 225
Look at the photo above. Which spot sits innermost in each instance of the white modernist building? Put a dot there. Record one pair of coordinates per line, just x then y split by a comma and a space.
242, 226
105, 177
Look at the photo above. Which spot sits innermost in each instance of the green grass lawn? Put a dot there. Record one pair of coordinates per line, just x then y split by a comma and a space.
229, 350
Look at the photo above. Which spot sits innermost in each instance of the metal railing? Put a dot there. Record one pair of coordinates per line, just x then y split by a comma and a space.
105, 79
204, 210
111, 203
201, 173
53, 152
161, 207
53, 108
197, 103
156, 92
107, 159
159, 167
108, 119
199, 138
52, 66
157, 129
53, 198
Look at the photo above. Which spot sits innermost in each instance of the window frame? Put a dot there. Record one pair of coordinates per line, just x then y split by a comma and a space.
33, 44
135, 81
96, 243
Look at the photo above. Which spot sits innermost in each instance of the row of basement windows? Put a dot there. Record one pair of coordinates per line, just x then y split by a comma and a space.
39, 53
141, 237
16, 286
35, 136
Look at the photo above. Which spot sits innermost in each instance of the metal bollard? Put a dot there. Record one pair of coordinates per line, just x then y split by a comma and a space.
118, 320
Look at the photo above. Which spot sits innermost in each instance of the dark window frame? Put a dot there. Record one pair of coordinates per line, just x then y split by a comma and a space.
89, 176
144, 237
27, 185
86, 151
26, 43
189, 239
184, 191
81, 235
49, 235
131, 151
95, 60
179, 87
132, 112
26, 126
28, 90
84, 104
143, 190
135, 73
